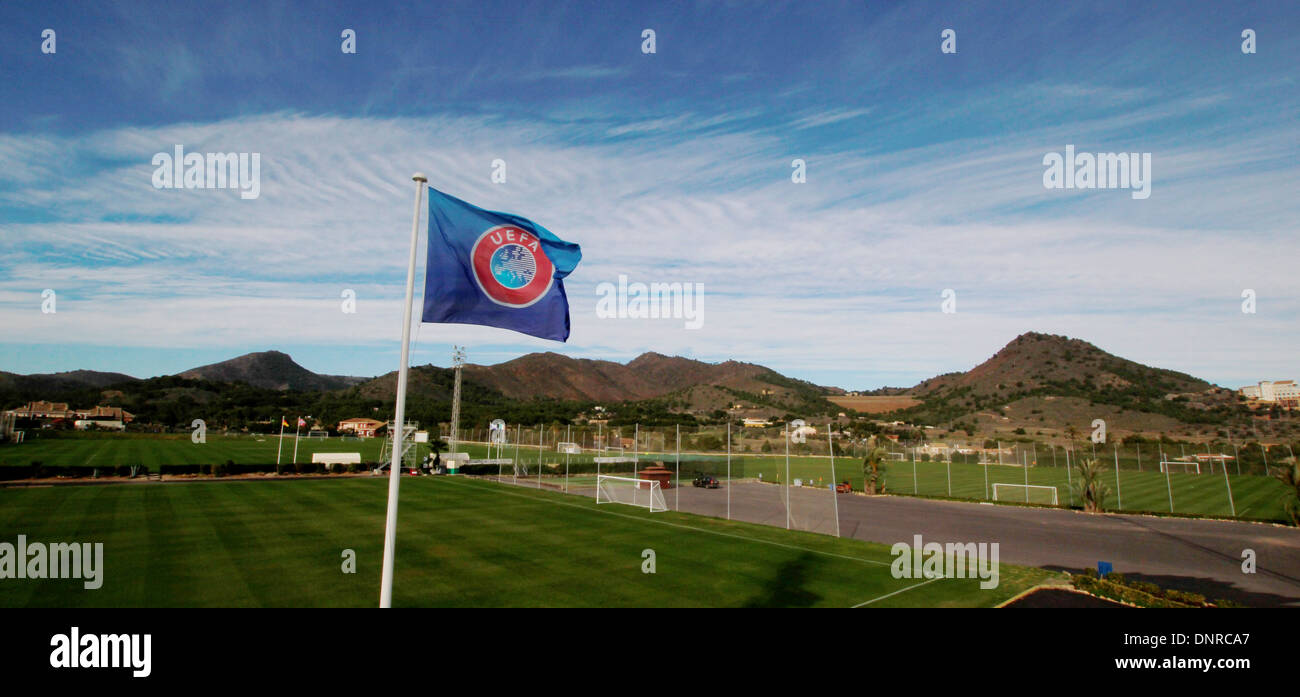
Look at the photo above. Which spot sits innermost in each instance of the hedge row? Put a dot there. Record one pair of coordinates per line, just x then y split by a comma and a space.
1140, 593
36, 470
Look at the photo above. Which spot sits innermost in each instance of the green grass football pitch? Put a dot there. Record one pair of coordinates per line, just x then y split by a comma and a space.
152, 451
461, 542
1254, 496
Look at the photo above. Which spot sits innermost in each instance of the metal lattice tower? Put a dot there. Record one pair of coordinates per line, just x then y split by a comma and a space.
457, 361
408, 445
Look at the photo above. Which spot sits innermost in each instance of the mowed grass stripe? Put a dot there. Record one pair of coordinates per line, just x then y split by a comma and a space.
111, 451
38, 518
537, 580
791, 575
745, 568
460, 542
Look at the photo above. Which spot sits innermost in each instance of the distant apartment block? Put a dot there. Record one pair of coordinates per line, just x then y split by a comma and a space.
1282, 392
48, 413
365, 428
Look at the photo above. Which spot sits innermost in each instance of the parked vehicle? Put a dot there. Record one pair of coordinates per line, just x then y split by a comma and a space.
705, 481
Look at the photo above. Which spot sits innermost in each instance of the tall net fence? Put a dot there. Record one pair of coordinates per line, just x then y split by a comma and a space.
1212, 479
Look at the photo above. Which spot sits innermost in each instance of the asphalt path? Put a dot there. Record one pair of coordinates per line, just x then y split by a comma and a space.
1203, 556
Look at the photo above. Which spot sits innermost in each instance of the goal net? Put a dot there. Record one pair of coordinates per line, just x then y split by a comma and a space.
1025, 493
318, 435
1182, 466
633, 492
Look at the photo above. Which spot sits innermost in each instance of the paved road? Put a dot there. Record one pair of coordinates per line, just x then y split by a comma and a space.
1204, 556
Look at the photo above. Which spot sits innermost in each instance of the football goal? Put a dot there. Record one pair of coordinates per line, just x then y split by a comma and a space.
318, 435
1182, 466
1025, 493
568, 448
633, 492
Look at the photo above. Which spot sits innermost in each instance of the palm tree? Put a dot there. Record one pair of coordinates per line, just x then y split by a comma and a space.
1089, 485
437, 445
1288, 472
873, 468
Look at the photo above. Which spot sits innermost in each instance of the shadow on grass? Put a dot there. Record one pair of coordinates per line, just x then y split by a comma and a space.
787, 588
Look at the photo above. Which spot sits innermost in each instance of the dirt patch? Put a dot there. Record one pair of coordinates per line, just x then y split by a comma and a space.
875, 404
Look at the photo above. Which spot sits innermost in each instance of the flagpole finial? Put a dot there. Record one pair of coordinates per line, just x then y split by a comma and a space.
419, 177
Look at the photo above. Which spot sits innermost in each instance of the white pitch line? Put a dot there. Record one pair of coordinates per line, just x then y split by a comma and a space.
901, 590
687, 527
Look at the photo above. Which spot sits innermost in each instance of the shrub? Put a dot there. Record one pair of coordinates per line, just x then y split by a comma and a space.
1145, 587
1186, 597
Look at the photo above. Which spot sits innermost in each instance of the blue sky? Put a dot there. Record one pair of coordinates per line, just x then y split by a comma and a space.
924, 173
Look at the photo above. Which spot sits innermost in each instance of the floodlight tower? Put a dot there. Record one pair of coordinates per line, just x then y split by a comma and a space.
457, 361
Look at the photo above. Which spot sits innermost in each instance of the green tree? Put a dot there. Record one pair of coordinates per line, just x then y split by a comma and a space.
1288, 472
873, 468
1090, 487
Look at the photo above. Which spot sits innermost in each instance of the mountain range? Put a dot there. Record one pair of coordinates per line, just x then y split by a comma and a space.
1035, 380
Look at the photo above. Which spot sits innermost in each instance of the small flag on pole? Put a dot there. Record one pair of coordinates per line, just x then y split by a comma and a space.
284, 423
495, 269
301, 422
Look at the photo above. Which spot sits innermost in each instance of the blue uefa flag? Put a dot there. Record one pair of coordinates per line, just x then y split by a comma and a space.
495, 269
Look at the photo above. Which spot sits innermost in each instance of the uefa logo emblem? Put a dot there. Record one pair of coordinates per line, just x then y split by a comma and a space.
510, 267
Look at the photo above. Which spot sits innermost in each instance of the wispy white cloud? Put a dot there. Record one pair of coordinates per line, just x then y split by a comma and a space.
837, 279
828, 117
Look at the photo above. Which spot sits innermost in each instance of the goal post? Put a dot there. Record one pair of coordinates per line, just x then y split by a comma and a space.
1180, 466
1025, 493
645, 493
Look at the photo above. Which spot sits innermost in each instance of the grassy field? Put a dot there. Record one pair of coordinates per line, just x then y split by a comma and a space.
153, 450
1254, 496
461, 542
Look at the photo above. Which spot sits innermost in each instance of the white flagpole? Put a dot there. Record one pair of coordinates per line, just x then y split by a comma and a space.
787, 475
728, 468
1119, 494
279, 447
835, 493
297, 426
395, 469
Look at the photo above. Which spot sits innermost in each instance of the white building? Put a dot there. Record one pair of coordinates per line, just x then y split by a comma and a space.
1284, 392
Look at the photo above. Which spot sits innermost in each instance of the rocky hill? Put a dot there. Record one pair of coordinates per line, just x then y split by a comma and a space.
271, 370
